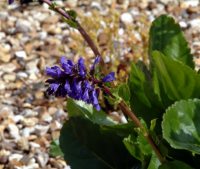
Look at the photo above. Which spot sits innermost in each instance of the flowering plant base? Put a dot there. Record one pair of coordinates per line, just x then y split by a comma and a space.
160, 103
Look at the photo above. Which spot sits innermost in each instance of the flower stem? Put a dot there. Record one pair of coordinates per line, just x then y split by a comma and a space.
133, 117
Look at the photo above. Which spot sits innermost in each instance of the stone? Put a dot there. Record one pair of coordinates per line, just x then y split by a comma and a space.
4, 154
34, 145
46, 117
41, 130
126, 18
4, 15
27, 131
42, 159
21, 54
9, 77
29, 113
29, 122
14, 131
5, 57
59, 164
32, 164
52, 19
2, 35
6, 111
22, 75
15, 156
55, 125
18, 118
32, 66
189, 3
96, 5
183, 24
72, 3
42, 35
23, 26
23, 143
8, 68
195, 23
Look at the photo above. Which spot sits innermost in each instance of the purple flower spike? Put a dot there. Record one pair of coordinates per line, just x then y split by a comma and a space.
72, 80
109, 78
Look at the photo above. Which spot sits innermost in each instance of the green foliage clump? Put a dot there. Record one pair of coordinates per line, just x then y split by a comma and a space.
164, 95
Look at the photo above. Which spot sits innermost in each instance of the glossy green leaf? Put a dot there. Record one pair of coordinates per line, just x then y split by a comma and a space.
80, 108
166, 36
86, 146
55, 149
175, 165
176, 79
143, 100
181, 127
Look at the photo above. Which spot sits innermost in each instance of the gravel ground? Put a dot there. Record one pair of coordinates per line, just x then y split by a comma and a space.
33, 37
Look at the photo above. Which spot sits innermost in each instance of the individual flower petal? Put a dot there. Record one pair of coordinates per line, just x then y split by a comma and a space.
86, 84
85, 97
97, 107
81, 67
109, 78
94, 97
96, 61
76, 89
67, 87
53, 88
67, 65
54, 72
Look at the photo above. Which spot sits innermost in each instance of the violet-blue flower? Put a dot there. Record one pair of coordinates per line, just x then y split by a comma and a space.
109, 78
72, 80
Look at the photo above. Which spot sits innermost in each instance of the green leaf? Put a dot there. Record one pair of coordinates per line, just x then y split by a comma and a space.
73, 14
141, 150
133, 147
174, 165
122, 130
55, 149
71, 23
143, 100
138, 146
166, 36
124, 92
86, 146
80, 108
181, 127
176, 79
154, 162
